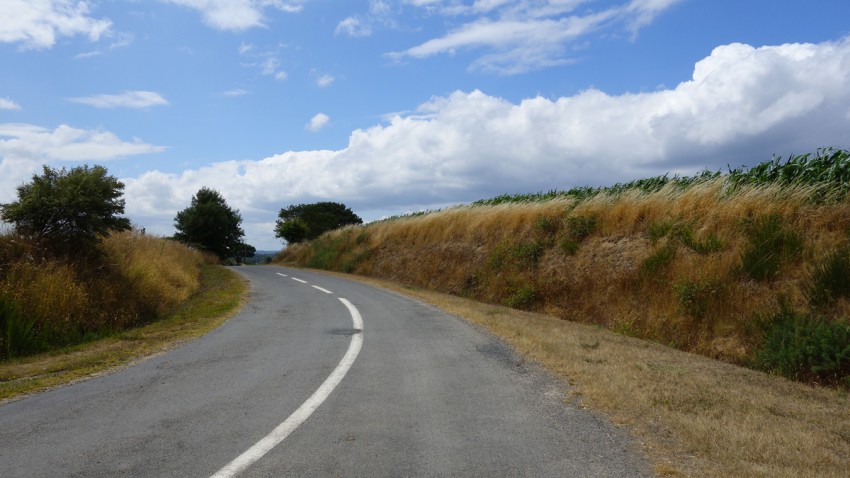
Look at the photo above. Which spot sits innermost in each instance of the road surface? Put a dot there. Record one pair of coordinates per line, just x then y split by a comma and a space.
294, 385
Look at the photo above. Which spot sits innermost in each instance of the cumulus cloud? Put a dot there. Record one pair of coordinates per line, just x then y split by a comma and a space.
37, 25
516, 37
24, 148
237, 15
7, 104
127, 99
318, 122
741, 105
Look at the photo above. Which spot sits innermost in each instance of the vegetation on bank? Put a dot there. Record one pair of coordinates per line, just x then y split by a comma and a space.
219, 294
751, 266
48, 302
73, 271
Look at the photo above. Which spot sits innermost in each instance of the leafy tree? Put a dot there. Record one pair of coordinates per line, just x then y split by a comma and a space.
244, 251
309, 221
210, 224
292, 231
68, 211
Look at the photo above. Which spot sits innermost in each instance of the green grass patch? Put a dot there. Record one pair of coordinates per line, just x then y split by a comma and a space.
658, 260
830, 278
807, 348
771, 243
522, 297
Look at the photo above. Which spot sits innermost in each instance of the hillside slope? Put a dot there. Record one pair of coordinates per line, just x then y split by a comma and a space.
752, 267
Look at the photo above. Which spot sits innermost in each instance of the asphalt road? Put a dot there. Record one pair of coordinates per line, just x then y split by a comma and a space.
411, 392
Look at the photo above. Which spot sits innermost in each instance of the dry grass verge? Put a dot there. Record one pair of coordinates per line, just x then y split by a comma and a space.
220, 295
695, 416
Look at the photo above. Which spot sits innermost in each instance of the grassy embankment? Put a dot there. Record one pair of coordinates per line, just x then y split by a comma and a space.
751, 267
63, 319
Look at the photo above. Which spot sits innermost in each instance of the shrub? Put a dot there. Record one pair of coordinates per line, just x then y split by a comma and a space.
581, 226
770, 244
569, 246
522, 297
523, 254
685, 234
17, 335
803, 347
694, 296
663, 256
660, 229
830, 279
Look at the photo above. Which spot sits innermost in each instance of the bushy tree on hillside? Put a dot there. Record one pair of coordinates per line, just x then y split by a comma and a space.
309, 221
68, 211
211, 225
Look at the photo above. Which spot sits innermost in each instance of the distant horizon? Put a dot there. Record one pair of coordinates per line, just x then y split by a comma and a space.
393, 107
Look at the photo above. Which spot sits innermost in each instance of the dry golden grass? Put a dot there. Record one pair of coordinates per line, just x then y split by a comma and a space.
60, 301
221, 292
694, 416
163, 273
602, 261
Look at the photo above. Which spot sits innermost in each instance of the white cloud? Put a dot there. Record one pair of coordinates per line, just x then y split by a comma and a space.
7, 104
353, 27
237, 15
37, 24
380, 14
267, 62
24, 148
742, 105
325, 81
121, 40
520, 36
317, 122
235, 92
127, 99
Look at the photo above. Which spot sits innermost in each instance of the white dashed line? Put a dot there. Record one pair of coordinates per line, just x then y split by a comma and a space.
284, 275
299, 280
298, 417
323, 290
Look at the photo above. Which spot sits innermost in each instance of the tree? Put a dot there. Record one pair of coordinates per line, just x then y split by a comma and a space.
309, 221
292, 231
210, 224
244, 252
68, 211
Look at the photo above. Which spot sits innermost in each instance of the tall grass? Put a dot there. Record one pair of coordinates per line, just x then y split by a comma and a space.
689, 262
49, 302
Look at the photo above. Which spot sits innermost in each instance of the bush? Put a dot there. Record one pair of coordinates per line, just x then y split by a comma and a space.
830, 279
808, 348
658, 260
522, 297
771, 243
17, 336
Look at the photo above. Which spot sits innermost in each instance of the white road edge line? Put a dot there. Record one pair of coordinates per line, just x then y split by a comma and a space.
323, 290
306, 409
283, 275
299, 280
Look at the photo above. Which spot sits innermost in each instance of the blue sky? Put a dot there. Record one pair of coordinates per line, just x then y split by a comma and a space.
397, 106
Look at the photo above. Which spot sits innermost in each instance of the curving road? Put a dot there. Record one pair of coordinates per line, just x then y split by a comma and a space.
295, 386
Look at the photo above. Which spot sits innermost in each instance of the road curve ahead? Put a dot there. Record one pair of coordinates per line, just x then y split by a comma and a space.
294, 385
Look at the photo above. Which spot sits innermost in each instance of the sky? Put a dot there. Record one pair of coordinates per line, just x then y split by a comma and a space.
392, 107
